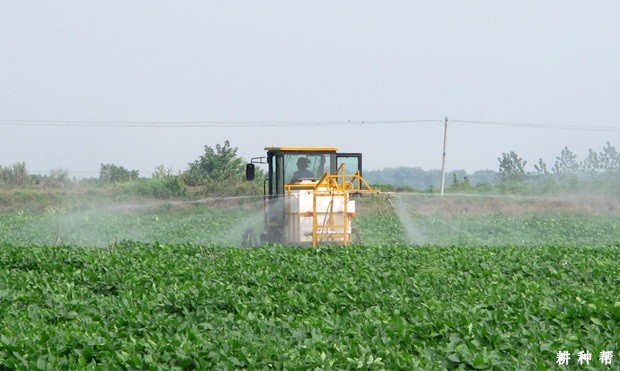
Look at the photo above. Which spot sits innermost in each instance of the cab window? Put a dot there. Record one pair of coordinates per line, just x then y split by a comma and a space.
305, 166
352, 163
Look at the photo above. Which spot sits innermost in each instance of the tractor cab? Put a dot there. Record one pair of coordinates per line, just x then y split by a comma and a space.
307, 194
302, 166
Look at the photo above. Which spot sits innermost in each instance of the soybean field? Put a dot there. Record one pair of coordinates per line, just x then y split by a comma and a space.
435, 284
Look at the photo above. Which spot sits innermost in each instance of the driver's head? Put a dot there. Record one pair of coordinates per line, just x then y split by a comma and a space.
302, 163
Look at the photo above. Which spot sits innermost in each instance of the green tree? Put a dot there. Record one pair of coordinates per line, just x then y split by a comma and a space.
566, 167
541, 168
566, 164
592, 163
161, 172
511, 168
217, 164
610, 159
57, 178
15, 175
111, 173
455, 180
458, 184
543, 177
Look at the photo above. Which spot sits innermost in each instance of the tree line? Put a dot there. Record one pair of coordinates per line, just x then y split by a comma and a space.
220, 171
567, 171
597, 169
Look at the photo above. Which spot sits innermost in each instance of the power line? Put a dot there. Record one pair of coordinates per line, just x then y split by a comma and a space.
201, 124
544, 126
234, 124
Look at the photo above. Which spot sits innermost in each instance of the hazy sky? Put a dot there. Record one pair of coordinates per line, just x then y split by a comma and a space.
127, 62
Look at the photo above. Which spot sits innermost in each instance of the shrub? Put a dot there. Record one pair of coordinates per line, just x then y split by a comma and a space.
15, 175
159, 188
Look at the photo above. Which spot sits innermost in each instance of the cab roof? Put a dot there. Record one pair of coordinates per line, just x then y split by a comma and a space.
301, 149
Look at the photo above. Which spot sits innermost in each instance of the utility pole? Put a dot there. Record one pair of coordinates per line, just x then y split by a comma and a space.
443, 159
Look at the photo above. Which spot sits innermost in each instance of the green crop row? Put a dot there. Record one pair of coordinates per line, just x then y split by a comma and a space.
226, 225
148, 306
118, 222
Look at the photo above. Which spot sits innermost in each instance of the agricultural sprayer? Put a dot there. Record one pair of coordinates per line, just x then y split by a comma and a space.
308, 196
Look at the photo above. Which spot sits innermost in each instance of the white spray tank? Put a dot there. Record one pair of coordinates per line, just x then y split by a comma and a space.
317, 213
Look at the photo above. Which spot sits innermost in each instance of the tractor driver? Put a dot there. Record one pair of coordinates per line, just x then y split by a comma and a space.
302, 170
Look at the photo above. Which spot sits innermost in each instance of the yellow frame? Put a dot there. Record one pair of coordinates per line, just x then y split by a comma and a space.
337, 185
